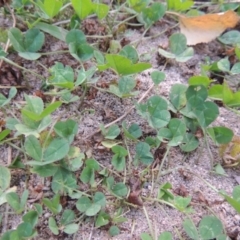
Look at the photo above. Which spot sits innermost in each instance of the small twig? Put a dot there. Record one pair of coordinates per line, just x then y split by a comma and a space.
5, 87
9, 155
148, 221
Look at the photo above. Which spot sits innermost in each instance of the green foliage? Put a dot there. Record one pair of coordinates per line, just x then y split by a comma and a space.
86, 7
78, 46
50, 148
162, 236
50, 7
234, 201
230, 37
178, 5
88, 173
28, 44
178, 48
18, 204
209, 227
91, 206
122, 65
4, 101
53, 204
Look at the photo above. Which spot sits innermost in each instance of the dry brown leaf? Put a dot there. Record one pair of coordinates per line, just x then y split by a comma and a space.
205, 28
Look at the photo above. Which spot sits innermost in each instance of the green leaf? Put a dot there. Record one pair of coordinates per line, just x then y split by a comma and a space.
3, 100
100, 9
31, 217
33, 148
178, 129
44, 171
30, 55
57, 32
93, 210
102, 219
5, 178
153, 13
178, 95
177, 43
219, 170
66, 129
38, 208
207, 113
186, 55
53, 204
133, 132
130, 52
56, 150
189, 143
158, 77
2, 53
83, 204
99, 198
23, 199
155, 111
165, 236
14, 201
145, 236
34, 104
122, 65
53, 226
196, 95
236, 68
190, 229
99, 57
224, 65
178, 48
52, 7
181, 203
143, 153
112, 132
230, 37
233, 202
113, 231
220, 135
199, 80
126, 84
119, 189
83, 8
118, 162
67, 217
71, 228
64, 182
236, 193
81, 52
16, 38
179, 5
24, 230
76, 36
34, 40
210, 227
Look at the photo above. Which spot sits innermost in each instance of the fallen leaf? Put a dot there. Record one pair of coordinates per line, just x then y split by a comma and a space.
205, 28
136, 189
181, 191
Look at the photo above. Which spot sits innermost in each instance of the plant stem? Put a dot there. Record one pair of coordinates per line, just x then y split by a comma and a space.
148, 221
162, 163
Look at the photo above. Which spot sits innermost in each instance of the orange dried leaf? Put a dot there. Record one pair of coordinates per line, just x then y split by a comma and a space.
205, 28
